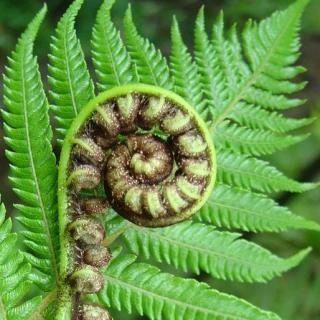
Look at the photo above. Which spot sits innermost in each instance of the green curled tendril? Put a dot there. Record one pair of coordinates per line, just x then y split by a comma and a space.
156, 160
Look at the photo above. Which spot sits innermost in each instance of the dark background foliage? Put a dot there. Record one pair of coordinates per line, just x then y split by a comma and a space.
296, 295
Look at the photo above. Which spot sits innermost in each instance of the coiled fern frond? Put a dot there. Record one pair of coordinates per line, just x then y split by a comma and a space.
239, 83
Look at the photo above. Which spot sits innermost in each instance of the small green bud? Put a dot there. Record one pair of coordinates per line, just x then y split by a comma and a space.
87, 150
93, 312
87, 231
97, 255
84, 177
94, 206
86, 279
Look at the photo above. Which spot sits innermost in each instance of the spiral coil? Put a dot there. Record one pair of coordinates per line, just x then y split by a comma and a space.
153, 156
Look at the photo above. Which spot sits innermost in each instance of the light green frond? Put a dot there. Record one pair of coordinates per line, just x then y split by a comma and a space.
259, 70
267, 100
71, 87
274, 41
14, 271
257, 142
151, 66
224, 57
185, 75
196, 247
237, 208
32, 162
110, 57
251, 173
211, 76
141, 287
257, 118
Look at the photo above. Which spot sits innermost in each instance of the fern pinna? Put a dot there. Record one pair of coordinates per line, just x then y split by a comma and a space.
230, 91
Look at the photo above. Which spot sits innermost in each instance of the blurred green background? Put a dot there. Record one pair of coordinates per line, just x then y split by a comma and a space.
296, 295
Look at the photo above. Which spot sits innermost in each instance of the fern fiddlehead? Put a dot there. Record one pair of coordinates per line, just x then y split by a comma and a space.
155, 158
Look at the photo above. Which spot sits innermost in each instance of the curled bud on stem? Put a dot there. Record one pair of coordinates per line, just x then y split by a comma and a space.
87, 231
141, 151
97, 255
93, 312
86, 279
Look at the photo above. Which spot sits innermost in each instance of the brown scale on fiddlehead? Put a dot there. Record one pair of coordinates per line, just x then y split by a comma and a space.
154, 158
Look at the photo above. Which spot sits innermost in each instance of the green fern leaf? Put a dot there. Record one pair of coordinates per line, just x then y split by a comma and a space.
212, 80
257, 118
196, 247
131, 285
251, 173
236, 208
32, 162
252, 141
71, 87
184, 71
110, 58
14, 283
270, 45
223, 53
151, 66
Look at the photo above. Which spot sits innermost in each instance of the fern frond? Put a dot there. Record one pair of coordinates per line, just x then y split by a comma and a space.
110, 57
14, 283
131, 285
252, 141
236, 208
267, 100
184, 71
211, 76
71, 87
270, 47
195, 247
32, 162
250, 173
255, 117
151, 66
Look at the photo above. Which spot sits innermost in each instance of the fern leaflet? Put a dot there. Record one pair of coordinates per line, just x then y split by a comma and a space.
151, 66
237, 208
251, 173
70, 85
14, 283
256, 142
33, 169
257, 118
211, 76
110, 57
131, 285
184, 71
196, 247
269, 45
